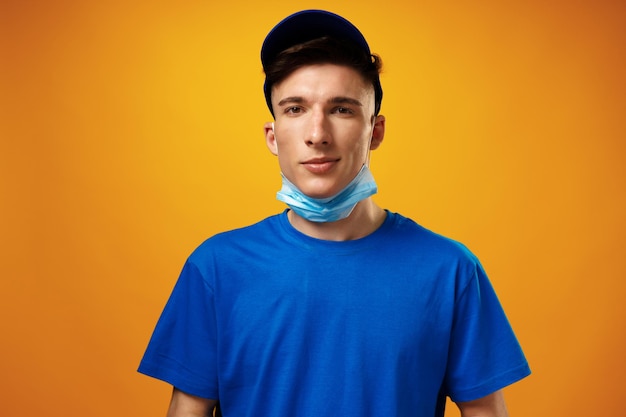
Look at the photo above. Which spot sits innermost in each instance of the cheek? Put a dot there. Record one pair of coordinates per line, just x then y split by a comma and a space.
364, 148
285, 157
283, 148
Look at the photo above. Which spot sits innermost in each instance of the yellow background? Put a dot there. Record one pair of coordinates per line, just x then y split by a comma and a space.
131, 131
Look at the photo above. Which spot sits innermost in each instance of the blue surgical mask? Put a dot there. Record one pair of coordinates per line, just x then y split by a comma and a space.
332, 208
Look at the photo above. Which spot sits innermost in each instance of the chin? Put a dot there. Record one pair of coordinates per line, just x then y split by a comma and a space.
319, 189
320, 195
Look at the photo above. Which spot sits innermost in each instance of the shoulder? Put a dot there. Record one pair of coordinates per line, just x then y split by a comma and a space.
406, 231
430, 254
251, 236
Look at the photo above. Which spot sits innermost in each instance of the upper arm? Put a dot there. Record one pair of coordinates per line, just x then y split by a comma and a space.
492, 405
187, 405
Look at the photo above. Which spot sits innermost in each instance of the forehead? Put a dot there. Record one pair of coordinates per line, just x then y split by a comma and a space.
323, 81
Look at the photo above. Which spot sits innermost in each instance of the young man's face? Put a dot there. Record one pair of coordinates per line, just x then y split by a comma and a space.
324, 128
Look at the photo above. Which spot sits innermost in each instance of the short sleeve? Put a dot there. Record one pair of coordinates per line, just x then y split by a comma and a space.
485, 355
182, 350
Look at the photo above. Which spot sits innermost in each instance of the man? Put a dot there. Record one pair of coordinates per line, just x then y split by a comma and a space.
335, 307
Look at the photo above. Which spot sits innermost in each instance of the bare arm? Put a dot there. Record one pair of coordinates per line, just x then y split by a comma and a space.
492, 405
186, 405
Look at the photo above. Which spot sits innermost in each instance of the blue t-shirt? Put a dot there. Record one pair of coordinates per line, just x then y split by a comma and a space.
272, 322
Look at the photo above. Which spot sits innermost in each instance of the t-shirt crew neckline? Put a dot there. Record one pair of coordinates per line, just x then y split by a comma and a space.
344, 246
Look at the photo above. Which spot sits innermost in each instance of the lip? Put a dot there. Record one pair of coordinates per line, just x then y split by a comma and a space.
320, 165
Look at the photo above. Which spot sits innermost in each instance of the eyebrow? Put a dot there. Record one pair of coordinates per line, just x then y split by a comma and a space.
294, 99
346, 100
335, 100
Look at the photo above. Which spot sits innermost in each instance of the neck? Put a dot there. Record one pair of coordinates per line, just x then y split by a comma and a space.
366, 217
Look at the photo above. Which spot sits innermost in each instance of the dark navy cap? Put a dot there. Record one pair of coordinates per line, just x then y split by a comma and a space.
305, 26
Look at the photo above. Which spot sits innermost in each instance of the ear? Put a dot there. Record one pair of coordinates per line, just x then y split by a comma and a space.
378, 133
270, 138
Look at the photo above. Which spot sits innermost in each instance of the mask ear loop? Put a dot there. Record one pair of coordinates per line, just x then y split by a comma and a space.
368, 158
275, 141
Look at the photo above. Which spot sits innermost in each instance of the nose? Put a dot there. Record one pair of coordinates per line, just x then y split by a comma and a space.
319, 131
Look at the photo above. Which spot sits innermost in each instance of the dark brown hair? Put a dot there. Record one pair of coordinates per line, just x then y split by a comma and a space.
325, 50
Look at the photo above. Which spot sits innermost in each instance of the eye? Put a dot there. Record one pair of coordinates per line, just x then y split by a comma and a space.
293, 110
343, 110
